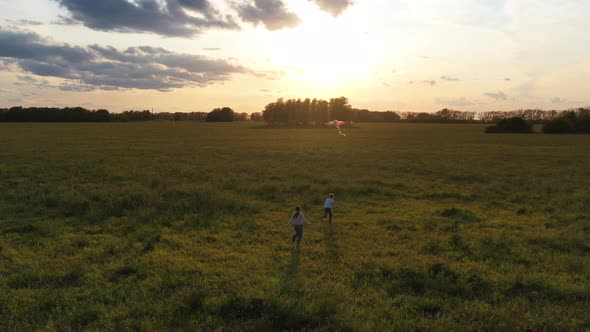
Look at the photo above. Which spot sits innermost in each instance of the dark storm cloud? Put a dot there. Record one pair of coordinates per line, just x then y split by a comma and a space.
334, 7
109, 68
183, 18
164, 17
272, 13
497, 95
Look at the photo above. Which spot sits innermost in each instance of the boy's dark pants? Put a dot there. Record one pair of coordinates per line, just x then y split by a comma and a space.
298, 233
328, 212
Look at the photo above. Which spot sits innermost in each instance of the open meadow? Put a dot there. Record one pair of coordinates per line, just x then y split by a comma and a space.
164, 225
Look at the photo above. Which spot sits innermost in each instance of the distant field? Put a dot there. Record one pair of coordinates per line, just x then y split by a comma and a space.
163, 225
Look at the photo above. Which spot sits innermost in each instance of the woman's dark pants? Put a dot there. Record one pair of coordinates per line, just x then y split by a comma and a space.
298, 233
328, 212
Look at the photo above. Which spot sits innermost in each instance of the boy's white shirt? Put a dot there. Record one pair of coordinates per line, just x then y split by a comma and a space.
299, 220
329, 203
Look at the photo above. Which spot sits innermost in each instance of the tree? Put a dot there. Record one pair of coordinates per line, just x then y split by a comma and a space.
340, 109
256, 116
224, 114
241, 116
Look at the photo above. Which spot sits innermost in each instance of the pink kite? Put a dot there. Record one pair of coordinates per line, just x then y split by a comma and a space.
337, 124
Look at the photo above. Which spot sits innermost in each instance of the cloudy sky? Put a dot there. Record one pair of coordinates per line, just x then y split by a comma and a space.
194, 55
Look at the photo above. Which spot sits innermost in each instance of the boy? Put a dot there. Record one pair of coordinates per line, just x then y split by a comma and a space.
328, 207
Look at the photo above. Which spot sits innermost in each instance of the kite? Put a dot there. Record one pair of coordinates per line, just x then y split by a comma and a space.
337, 124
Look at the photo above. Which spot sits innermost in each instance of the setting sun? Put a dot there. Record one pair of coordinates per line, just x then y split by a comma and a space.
316, 54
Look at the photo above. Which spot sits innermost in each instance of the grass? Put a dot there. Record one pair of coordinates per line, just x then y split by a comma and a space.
151, 226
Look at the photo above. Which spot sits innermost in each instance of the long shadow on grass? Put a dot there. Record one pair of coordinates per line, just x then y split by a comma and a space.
289, 284
332, 251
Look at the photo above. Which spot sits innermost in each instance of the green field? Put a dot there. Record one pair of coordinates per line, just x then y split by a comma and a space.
161, 225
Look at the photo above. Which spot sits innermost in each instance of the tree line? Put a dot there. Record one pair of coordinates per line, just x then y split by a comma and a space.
573, 122
294, 112
315, 112
80, 114
568, 122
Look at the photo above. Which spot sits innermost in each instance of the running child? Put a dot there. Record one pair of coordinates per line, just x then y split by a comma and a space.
298, 219
328, 205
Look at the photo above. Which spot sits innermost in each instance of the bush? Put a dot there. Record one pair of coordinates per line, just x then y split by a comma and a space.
512, 125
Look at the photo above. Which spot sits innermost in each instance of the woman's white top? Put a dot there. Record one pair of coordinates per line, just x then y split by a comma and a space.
298, 220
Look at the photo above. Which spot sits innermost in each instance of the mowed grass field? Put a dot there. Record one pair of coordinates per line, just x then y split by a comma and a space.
160, 225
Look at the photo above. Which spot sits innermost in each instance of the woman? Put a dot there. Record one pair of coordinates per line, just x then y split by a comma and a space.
298, 219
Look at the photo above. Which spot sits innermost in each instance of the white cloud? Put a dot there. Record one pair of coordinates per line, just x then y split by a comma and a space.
498, 96
454, 102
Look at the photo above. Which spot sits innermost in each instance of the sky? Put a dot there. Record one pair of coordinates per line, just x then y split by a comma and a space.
196, 55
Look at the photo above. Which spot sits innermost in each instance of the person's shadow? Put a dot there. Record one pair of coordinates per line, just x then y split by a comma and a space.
289, 284
332, 251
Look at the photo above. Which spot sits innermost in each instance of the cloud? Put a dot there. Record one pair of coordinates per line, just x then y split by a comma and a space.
450, 79
507, 79
334, 7
461, 12
26, 80
272, 13
180, 18
24, 22
558, 100
270, 74
212, 49
429, 82
497, 95
108, 68
67, 21
30, 94
461, 101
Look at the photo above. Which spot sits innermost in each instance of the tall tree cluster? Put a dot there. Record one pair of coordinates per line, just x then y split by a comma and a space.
573, 122
293, 112
313, 112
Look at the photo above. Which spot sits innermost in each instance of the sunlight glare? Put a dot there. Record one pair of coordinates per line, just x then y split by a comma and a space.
317, 54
